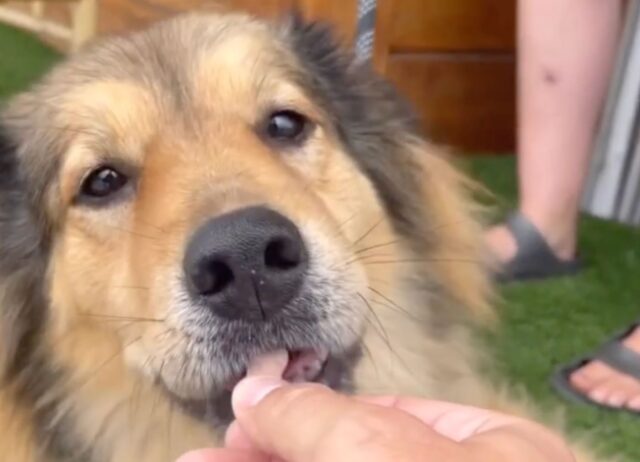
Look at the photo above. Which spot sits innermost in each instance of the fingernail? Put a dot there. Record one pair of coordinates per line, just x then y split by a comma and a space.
252, 390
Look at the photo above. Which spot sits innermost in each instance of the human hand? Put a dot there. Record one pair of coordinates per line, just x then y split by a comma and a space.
278, 421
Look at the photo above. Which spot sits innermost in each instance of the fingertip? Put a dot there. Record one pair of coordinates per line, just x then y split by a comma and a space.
251, 390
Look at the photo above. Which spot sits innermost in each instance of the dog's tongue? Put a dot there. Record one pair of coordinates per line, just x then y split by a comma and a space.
299, 366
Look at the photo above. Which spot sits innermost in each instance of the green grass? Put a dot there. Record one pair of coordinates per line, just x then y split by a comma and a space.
22, 58
549, 323
545, 324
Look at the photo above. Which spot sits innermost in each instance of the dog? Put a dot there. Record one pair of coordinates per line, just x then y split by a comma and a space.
177, 201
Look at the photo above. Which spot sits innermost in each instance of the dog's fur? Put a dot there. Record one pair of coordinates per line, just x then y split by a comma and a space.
92, 317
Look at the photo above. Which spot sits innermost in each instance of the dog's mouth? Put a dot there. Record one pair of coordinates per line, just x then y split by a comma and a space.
307, 365
296, 366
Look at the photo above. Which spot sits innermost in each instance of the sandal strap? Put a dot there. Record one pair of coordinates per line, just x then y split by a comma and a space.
534, 258
530, 242
616, 355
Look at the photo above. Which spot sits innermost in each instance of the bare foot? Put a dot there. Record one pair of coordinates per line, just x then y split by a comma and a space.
608, 386
501, 243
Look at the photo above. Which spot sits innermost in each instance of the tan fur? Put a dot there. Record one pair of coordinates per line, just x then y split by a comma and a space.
111, 320
17, 436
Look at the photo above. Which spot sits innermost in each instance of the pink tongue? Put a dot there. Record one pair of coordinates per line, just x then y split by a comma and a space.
304, 366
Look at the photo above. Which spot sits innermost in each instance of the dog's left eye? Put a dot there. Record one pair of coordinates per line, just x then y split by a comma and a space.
287, 125
102, 183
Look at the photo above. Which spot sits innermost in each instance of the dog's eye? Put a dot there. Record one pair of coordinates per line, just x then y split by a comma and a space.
287, 126
102, 183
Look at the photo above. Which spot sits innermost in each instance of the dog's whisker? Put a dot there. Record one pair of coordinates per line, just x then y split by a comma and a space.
376, 246
106, 421
130, 287
94, 373
363, 258
125, 326
396, 309
382, 331
169, 435
133, 233
368, 232
135, 401
369, 354
148, 224
392, 303
341, 225
385, 338
378, 281
426, 260
113, 317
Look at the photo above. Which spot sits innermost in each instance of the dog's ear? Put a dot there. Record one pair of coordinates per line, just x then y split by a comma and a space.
22, 263
428, 199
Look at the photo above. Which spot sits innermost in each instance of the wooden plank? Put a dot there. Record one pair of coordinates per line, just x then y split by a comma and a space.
343, 14
36, 24
384, 32
453, 25
466, 101
116, 16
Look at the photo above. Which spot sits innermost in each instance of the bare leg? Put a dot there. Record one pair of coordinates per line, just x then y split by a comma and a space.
566, 50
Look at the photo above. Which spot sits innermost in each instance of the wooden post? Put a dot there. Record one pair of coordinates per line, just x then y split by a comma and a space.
84, 22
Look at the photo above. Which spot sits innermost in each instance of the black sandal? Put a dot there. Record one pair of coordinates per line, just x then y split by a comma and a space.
613, 353
534, 258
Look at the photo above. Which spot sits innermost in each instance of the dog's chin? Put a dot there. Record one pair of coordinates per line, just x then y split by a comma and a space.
310, 366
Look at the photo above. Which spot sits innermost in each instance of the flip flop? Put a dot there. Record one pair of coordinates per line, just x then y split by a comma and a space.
534, 258
613, 353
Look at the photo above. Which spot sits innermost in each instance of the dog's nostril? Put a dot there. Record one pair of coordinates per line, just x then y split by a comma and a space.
212, 277
283, 254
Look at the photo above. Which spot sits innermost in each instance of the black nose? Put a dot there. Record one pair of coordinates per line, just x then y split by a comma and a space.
247, 264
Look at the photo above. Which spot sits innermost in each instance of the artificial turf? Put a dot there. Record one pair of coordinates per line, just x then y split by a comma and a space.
22, 59
544, 324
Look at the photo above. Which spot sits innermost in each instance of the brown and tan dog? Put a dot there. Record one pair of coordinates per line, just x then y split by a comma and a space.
180, 200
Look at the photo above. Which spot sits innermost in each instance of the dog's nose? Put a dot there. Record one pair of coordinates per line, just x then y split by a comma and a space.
246, 264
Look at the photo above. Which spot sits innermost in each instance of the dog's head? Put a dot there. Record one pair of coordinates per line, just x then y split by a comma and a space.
211, 189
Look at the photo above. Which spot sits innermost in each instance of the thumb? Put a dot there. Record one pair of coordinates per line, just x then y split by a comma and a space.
306, 422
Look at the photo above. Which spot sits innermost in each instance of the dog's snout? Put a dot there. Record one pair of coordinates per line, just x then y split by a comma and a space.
246, 264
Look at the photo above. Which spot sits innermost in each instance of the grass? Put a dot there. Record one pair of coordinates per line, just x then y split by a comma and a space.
550, 323
22, 59
545, 324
